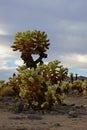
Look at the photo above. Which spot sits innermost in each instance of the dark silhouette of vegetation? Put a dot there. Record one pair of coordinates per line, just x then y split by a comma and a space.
76, 76
71, 77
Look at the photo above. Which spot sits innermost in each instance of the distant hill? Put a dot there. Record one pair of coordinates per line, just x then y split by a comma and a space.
78, 78
82, 77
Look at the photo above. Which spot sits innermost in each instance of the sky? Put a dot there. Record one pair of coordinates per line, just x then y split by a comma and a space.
64, 21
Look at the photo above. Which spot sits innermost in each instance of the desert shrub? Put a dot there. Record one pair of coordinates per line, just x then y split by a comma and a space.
84, 86
36, 82
52, 97
2, 82
77, 85
38, 86
65, 87
7, 91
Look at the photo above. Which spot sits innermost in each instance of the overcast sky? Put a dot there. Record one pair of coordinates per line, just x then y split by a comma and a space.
65, 22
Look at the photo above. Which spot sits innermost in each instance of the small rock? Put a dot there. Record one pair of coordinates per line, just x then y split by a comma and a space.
79, 106
54, 112
72, 114
57, 124
34, 117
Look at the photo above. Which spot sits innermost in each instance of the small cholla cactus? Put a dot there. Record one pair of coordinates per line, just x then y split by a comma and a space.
65, 87
84, 86
77, 85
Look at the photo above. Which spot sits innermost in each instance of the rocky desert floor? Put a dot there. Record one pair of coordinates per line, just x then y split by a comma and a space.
71, 116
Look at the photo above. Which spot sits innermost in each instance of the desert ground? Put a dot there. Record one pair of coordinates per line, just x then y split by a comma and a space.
71, 116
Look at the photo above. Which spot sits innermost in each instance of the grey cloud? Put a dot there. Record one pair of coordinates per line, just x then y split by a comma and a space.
70, 37
75, 61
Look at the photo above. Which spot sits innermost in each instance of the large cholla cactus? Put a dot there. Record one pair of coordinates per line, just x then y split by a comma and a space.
31, 43
38, 87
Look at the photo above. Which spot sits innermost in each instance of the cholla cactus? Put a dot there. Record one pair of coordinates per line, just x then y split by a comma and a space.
38, 87
52, 96
65, 87
31, 43
37, 83
62, 73
50, 72
84, 86
77, 85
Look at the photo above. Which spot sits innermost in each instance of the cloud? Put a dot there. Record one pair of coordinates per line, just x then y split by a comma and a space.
82, 58
2, 32
5, 51
8, 58
18, 62
75, 60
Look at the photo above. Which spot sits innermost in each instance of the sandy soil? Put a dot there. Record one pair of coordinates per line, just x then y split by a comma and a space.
57, 119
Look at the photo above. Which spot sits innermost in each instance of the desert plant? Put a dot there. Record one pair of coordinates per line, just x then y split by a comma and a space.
71, 77
35, 82
7, 91
36, 86
31, 43
2, 83
62, 73
84, 86
76, 76
52, 97
77, 85
65, 87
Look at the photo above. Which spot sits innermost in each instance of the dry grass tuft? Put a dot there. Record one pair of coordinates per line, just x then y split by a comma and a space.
6, 91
